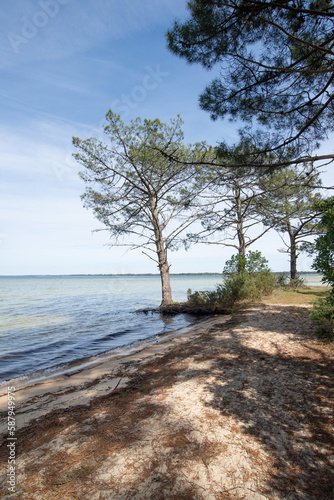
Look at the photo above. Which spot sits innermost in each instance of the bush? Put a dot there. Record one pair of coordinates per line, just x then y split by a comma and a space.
252, 263
242, 286
211, 299
324, 260
248, 277
266, 282
284, 281
296, 283
244, 277
323, 316
281, 280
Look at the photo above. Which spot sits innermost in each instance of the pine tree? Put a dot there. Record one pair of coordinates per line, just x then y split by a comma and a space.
276, 61
143, 198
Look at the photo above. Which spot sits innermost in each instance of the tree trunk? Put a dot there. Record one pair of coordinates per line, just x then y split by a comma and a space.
165, 284
241, 239
240, 230
166, 289
163, 265
293, 257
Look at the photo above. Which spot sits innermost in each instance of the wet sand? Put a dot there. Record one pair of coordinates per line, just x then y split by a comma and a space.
93, 378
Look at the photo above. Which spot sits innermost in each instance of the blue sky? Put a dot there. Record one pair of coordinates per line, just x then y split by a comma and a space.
64, 63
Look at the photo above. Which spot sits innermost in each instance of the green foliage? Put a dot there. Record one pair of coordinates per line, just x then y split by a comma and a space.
284, 281
323, 317
281, 280
295, 283
253, 263
244, 278
324, 261
276, 61
223, 297
248, 277
323, 310
289, 204
210, 299
142, 196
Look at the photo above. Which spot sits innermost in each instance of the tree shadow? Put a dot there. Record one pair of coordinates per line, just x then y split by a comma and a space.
321, 294
283, 401
75, 452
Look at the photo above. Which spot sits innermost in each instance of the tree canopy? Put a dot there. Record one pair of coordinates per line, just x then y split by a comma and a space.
324, 261
289, 204
276, 67
232, 220
142, 197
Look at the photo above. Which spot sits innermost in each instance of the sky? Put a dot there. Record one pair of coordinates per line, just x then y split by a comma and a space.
64, 64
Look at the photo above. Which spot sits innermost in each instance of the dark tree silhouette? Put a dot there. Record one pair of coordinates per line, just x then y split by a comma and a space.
277, 67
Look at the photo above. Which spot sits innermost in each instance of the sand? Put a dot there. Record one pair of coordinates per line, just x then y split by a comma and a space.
99, 377
234, 407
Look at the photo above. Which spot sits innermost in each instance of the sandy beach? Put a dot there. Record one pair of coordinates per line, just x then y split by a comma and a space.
233, 407
90, 379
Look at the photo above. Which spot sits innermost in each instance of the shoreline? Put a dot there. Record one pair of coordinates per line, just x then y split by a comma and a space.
32, 378
94, 377
235, 407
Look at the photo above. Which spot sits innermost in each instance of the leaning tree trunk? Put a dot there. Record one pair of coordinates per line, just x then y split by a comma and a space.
163, 265
165, 285
166, 289
293, 257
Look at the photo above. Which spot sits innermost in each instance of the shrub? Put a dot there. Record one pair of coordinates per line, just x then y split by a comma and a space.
244, 277
266, 282
324, 260
211, 299
197, 298
283, 280
248, 277
244, 285
323, 316
252, 263
296, 283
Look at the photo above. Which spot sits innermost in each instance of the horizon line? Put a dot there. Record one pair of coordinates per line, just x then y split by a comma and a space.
204, 273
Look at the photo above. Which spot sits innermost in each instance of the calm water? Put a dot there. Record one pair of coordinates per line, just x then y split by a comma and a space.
48, 322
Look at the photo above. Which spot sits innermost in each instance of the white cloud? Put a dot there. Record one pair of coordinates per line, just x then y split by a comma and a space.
51, 85
39, 153
45, 230
45, 29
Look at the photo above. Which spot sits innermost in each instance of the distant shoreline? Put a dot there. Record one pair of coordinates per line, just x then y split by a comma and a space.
148, 275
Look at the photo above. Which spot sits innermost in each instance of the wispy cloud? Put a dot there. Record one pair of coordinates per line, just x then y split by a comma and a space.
75, 60
30, 159
44, 29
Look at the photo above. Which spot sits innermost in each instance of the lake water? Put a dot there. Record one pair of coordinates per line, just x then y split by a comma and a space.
47, 323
